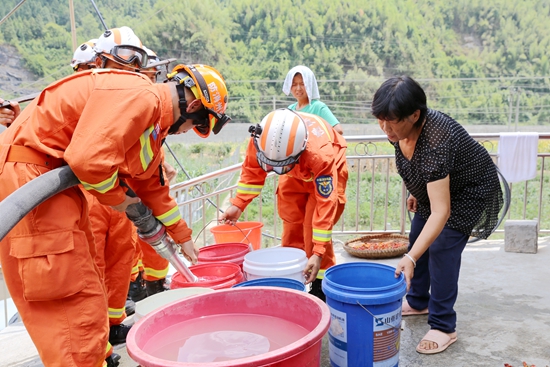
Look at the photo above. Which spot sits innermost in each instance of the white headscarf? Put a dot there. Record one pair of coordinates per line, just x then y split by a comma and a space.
310, 82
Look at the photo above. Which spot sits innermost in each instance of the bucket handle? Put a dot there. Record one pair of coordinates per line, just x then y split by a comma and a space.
378, 320
246, 237
203, 228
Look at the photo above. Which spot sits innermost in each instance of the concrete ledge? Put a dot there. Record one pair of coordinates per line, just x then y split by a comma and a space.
521, 236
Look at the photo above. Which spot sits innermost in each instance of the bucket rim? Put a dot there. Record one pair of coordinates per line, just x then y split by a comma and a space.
146, 305
219, 280
353, 294
280, 354
250, 257
259, 283
241, 226
212, 248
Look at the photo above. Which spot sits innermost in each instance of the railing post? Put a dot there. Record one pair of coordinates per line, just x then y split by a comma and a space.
403, 207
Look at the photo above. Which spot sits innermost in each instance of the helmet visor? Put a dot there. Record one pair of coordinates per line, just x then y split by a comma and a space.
281, 170
218, 120
130, 55
279, 167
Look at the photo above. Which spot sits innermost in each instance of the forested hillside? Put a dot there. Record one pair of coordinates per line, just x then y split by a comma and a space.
482, 61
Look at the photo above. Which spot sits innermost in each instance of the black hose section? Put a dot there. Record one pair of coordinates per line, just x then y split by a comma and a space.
20, 202
139, 214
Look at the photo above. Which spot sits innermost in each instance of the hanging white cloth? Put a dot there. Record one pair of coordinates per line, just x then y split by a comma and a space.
517, 156
309, 81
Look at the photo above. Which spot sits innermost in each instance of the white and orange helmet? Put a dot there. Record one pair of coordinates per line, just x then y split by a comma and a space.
122, 46
154, 71
280, 139
84, 54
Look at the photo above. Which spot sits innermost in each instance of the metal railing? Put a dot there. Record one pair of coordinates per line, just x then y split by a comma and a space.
375, 192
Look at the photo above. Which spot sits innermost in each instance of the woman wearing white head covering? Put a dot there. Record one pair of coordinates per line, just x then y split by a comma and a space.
301, 82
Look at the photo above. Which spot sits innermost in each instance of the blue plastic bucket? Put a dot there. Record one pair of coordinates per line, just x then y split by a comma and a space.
274, 282
365, 308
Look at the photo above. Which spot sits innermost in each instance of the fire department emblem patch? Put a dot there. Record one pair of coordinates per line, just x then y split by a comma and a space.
324, 185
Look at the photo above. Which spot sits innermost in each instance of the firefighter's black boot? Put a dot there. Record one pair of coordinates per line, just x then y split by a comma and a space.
316, 290
137, 290
118, 333
112, 360
155, 286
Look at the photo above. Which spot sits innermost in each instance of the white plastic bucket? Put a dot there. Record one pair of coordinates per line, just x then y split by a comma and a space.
275, 262
161, 299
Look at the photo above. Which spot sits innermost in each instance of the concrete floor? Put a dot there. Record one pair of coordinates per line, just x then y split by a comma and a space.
503, 312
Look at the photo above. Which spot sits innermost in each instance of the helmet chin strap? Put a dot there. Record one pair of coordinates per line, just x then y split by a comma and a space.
201, 115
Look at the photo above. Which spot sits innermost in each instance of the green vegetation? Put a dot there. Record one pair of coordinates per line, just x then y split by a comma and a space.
477, 59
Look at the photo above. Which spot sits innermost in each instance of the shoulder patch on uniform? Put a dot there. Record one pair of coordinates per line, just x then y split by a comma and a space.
156, 131
324, 185
317, 131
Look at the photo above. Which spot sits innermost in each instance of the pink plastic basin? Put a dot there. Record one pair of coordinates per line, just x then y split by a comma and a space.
289, 305
212, 275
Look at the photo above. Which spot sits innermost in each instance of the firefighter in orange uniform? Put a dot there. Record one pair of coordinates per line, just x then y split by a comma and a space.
107, 125
114, 234
149, 268
311, 159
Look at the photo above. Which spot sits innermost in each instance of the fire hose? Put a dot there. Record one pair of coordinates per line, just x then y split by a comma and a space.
20, 202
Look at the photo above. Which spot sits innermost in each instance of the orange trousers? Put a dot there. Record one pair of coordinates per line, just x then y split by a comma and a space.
115, 243
154, 266
296, 204
47, 261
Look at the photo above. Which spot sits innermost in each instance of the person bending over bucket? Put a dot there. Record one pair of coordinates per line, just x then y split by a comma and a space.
310, 157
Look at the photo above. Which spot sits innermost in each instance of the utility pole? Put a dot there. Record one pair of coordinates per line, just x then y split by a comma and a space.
73, 27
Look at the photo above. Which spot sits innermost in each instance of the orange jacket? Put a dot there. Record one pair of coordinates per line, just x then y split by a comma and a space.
320, 163
107, 125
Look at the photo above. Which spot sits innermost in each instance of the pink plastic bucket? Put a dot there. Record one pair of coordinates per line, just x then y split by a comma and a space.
224, 252
212, 275
288, 305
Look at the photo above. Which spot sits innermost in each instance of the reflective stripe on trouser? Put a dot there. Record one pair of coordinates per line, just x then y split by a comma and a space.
47, 261
155, 266
296, 209
108, 352
138, 266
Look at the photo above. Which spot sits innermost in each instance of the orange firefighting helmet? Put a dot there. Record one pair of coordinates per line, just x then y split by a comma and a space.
208, 85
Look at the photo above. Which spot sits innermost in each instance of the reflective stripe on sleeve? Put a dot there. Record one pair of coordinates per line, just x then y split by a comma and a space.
116, 313
243, 188
170, 217
146, 152
322, 235
103, 186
